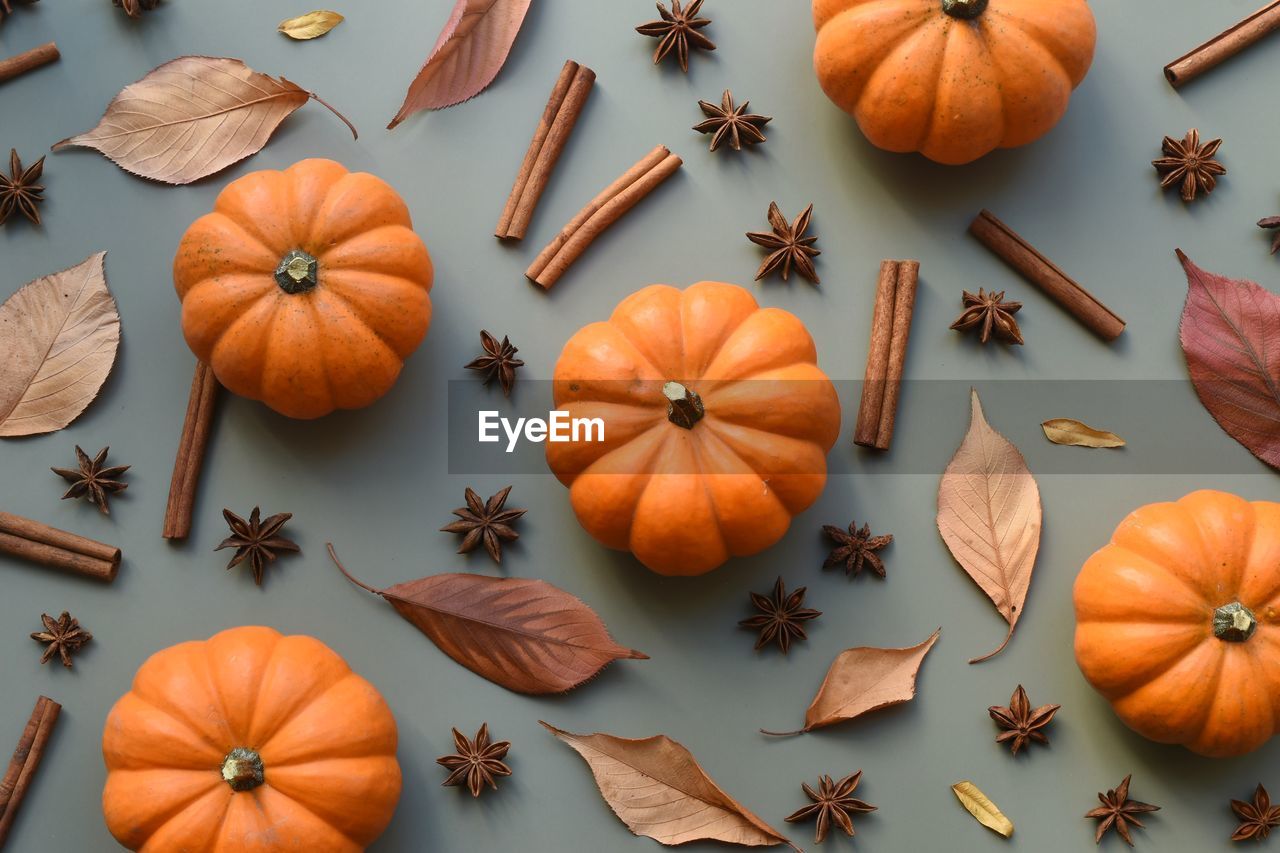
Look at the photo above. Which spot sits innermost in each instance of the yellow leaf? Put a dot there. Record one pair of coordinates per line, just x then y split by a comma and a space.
311, 25
982, 809
1072, 432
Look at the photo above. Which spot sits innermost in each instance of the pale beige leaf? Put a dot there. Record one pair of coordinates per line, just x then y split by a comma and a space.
989, 515
982, 809
862, 680
656, 787
1076, 434
59, 335
311, 25
192, 117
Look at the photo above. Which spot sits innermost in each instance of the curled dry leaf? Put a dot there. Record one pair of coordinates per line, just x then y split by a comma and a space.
989, 515
862, 680
469, 53
983, 810
192, 117
58, 336
657, 788
1076, 434
1230, 334
311, 25
525, 635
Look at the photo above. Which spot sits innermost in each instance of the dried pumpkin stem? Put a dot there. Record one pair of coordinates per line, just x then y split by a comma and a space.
684, 407
1234, 623
242, 769
297, 272
964, 9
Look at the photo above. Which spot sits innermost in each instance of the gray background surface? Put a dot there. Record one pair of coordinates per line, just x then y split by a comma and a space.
378, 482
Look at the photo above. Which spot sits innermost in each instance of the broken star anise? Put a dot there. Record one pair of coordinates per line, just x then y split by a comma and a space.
1257, 818
781, 617
677, 30
498, 361
1021, 723
256, 540
833, 802
64, 636
1118, 811
726, 122
19, 192
135, 8
485, 522
787, 245
1272, 223
990, 314
1190, 164
855, 547
91, 480
476, 762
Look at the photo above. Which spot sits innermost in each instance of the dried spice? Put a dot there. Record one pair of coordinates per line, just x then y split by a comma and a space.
787, 245
486, 522
855, 548
990, 314
1190, 164
477, 762
733, 123
677, 30
1118, 811
498, 361
781, 617
1272, 223
93, 481
833, 802
256, 540
19, 192
135, 8
7, 9
1022, 724
1257, 818
63, 635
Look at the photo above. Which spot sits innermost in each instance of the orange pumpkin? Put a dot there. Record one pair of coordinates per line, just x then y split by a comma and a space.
1178, 622
249, 741
717, 422
305, 289
952, 79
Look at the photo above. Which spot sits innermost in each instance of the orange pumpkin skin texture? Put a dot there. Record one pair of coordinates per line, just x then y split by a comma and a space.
684, 500
1178, 622
305, 340
952, 79
199, 712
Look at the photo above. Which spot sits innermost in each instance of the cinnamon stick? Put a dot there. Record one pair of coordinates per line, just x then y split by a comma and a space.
601, 212
27, 61
1005, 243
186, 466
1224, 45
25, 761
887, 354
57, 549
558, 120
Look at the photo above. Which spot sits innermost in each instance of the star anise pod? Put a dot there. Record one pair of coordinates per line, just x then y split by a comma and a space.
1272, 223
832, 802
725, 121
485, 522
855, 547
1188, 162
256, 540
476, 762
1118, 811
91, 480
498, 360
787, 245
19, 192
135, 8
1022, 723
781, 617
990, 314
1257, 818
6, 9
64, 636
677, 30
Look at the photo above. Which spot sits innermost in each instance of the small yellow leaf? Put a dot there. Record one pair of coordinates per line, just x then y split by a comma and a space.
982, 809
311, 25
1072, 432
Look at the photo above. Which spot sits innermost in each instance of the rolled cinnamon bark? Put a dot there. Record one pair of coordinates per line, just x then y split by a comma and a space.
49, 546
887, 354
26, 760
201, 405
28, 61
1223, 46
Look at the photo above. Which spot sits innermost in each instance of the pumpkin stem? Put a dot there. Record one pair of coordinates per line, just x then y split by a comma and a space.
242, 769
296, 272
684, 407
964, 9
1234, 623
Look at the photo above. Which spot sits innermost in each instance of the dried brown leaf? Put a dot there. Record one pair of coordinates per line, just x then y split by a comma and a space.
657, 788
59, 335
311, 25
983, 810
862, 680
1072, 432
469, 53
989, 515
525, 635
192, 117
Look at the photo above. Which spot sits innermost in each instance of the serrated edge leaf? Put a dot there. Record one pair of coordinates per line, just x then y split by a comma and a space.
983, 810
1073, 433
311, 25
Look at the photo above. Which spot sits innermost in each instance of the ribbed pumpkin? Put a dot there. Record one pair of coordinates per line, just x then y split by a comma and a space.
952, 79
305, 289
1178, 622
717, 422
249, 741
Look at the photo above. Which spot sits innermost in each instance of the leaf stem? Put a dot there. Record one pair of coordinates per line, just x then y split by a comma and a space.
329, 106
999, 649
785, 734
334, 556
